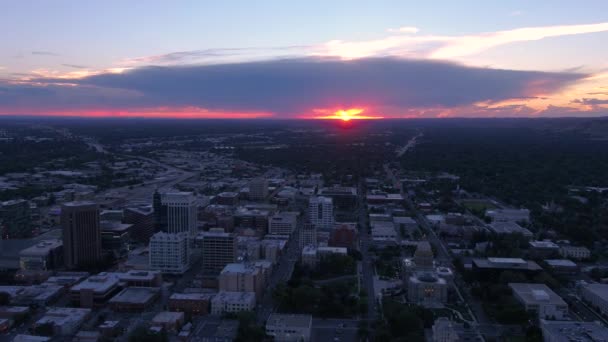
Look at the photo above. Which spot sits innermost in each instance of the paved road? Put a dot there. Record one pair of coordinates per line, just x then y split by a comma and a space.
281, 274
367, 268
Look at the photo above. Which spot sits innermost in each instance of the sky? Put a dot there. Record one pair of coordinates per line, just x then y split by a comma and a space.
304, 59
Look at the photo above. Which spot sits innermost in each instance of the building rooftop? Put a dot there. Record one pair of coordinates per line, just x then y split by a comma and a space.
135, 295
290, 320
544, 244
240, 268
239, 297
560, 263
600, 290
568, 331
192, 296
506, 263
62, 316
42, 248
532, 293
167, 317
100, 283
114, 226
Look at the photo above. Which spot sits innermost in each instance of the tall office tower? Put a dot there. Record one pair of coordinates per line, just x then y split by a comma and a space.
258, 188
160, 212
81, 233
219, 249
15, 219
142, 219
181, 212
308, 235
321, 212
169, 252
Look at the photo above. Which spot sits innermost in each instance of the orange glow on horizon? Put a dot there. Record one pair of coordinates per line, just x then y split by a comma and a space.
161, 112
345, 115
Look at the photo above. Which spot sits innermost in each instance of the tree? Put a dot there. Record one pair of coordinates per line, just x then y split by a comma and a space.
5, 298
45, 329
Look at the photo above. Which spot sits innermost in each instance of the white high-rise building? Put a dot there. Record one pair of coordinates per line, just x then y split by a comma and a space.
258, 188
321, 212
181, 212
169, 252
308, 235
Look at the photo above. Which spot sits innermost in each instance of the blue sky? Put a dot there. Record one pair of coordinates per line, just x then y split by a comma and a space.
78, 39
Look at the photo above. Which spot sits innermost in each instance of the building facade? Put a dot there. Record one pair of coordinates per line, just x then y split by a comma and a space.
218, 250
169, 253
321, 212
81, 233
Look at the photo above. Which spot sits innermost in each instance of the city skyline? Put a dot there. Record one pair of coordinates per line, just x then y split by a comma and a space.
274, 60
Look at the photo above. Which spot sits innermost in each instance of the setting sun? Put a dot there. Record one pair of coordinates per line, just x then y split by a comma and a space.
346, 115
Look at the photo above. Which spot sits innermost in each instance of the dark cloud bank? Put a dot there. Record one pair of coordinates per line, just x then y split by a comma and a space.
291, 86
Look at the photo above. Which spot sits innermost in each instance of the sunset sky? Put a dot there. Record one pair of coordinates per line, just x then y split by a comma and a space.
304, 59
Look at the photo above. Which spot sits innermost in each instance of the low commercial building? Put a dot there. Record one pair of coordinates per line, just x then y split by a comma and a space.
232, 302
540, 299
190, 303
65, 321
45, 255
289, 327
134, 299
562, 266
241, 277
95, 290
597, 296
509, 215
40, 295
168, 320
142, 278
568, 331
543, 249
490, 268
344, 235
575, 252
509, 227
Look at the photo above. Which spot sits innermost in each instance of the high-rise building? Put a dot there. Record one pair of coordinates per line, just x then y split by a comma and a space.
181, 210
218, 250
160, 212
81, 233
258, 188
321, 212
169, 252
308, 235
142, 220
15, 220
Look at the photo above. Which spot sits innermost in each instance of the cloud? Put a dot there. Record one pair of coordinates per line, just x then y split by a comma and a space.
404, 29
44, 53
448, 47
288, 88
213, 55
592, 102
74, 66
